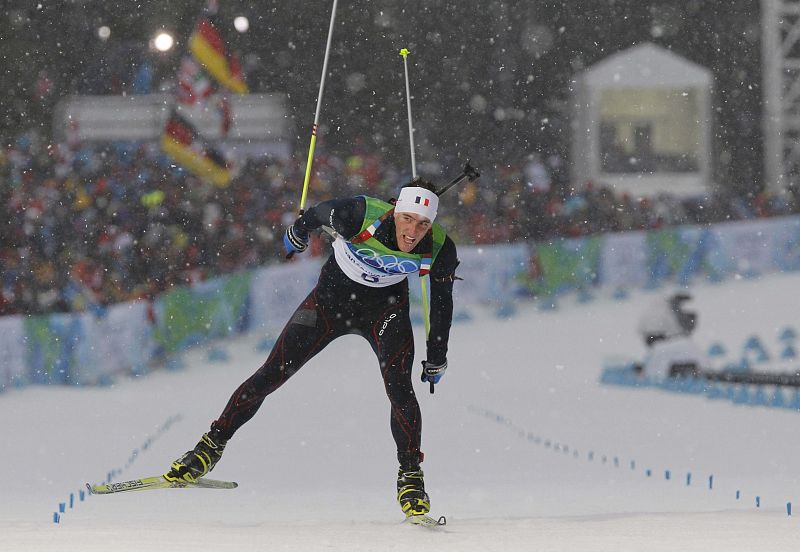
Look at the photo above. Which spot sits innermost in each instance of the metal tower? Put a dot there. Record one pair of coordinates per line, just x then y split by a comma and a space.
780, 24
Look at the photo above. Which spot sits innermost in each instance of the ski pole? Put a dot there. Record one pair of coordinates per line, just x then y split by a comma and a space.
315, 126
404, 52
319, 107
423, 281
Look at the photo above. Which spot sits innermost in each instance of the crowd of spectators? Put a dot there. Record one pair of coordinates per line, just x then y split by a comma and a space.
85, 226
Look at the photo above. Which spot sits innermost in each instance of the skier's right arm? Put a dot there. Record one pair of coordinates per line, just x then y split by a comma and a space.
345, 216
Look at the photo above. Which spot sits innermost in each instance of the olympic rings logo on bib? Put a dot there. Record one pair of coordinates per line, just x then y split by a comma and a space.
390, 264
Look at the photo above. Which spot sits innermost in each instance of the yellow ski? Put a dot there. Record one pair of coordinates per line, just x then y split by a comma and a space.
158, 482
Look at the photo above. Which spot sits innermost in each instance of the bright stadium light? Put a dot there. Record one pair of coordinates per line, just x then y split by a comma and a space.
103, 32
163, 41
241, 24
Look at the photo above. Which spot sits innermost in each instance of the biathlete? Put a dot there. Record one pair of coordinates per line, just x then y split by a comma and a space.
362, 289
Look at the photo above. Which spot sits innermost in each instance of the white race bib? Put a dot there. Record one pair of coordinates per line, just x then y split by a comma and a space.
368, 267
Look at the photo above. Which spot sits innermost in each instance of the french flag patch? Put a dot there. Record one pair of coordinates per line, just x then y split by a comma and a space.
424, 202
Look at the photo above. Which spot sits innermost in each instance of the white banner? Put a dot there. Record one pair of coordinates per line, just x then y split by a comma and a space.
489, 273
12, 351
119, 342
276, 291
623, 260
746, 247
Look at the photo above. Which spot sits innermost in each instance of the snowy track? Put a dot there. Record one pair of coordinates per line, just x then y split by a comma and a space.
514, 437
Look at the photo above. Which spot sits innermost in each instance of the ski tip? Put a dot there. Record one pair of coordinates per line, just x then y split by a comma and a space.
424, 520
89, 488
202, 482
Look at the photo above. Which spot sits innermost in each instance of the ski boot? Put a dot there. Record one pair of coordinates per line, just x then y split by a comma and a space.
196, 463
411, 493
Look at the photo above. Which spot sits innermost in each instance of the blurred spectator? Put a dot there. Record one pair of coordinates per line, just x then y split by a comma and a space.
90, 225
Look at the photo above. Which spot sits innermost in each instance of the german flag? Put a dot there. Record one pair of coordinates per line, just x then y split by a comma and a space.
208, 48
186, 146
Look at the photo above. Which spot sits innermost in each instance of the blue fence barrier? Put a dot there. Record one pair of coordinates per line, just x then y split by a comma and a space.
93, 348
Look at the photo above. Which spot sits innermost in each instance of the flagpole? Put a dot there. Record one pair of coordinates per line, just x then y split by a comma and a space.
316, 115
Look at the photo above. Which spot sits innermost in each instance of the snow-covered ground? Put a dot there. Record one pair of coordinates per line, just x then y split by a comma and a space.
525, 450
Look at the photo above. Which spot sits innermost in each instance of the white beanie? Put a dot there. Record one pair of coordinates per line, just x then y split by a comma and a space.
420, 201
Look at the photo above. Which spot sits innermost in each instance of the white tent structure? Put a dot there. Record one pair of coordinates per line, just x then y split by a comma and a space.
642, 124
259, 121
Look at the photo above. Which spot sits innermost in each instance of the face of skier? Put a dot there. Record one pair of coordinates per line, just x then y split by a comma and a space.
410, 228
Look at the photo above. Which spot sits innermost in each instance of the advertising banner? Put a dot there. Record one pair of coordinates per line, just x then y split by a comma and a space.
87, 348
52, 347
786, 244
563, 265
743, 248
12, 351
490, 274
276, 291
190, 315
122, 341
623, 259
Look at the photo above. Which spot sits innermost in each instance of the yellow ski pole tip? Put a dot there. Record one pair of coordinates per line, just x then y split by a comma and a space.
404, 52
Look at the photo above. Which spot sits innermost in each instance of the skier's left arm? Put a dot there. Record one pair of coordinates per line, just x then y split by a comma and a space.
442, 276
342, 215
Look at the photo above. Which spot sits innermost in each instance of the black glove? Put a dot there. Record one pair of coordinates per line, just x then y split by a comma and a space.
295, 241
433, 372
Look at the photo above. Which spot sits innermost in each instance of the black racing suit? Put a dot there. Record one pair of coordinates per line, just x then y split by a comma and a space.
338, 306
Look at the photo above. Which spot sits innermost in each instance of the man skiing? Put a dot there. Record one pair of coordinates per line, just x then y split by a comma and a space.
362, 289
